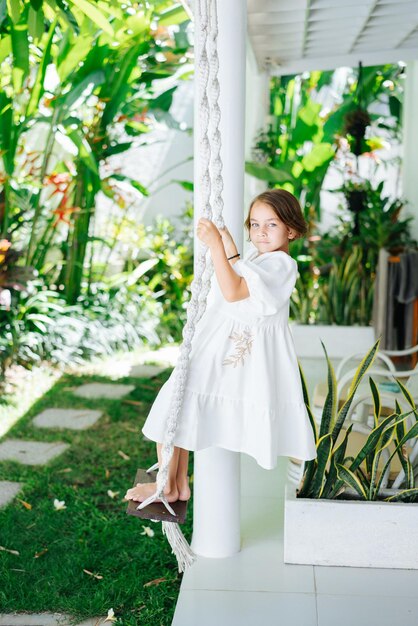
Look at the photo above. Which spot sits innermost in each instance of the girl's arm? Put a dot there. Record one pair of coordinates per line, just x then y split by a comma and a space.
233, 287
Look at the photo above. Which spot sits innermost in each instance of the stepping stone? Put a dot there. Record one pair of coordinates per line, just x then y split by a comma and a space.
103, 390
166, 356
8, 490
44, 619
30, 452
76, 419
146, 371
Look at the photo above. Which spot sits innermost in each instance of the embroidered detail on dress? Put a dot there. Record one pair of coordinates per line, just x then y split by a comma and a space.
243, 344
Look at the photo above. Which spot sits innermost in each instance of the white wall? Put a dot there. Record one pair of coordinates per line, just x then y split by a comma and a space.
257, 109
410, 144
173, 147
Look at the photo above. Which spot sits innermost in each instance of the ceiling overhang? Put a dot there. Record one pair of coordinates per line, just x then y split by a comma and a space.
292, 36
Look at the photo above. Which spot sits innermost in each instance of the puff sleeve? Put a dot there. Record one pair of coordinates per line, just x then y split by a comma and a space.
270, 281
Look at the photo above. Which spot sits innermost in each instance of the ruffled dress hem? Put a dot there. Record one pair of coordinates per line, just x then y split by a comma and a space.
210, 420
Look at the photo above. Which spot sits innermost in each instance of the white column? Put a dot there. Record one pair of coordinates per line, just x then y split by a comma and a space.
410, 145
216, 531
257, 101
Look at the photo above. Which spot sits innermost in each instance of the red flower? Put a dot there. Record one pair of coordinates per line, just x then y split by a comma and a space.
62, 213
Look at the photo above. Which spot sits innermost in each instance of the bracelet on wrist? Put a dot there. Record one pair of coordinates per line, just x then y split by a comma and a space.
233, 257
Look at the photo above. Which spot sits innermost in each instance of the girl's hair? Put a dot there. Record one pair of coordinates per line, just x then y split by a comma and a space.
286, 207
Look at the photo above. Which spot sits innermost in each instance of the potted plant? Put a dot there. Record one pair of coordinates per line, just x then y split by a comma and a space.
341, 514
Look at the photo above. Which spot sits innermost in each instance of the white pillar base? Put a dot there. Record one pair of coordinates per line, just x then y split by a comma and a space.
216, 506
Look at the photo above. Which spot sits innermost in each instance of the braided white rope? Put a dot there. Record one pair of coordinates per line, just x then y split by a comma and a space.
210, 162
215, 117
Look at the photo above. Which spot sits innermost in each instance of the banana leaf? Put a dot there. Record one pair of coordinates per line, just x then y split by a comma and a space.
38, 87
94, 14
20, 48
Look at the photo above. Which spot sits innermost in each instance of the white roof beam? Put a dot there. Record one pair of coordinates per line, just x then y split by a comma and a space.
306, 26
272, 6
370, 13
332, 61
331, 4
409, 34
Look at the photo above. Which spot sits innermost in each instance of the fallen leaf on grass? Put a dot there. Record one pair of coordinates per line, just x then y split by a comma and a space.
11, 551
65, 470
38, 554
157, 581
107, 473
148, 531
123, 455
112, 494
98, 576
132, 430
25, 504
110, 616
134, 402
59, 505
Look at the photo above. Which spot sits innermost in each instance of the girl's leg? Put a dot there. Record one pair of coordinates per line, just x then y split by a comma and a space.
182, 478
142, 491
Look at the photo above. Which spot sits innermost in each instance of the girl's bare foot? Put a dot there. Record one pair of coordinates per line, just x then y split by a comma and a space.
142, 491
184, 489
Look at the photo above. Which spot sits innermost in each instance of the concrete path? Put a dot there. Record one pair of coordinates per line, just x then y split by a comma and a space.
111, 391
8, 491
45, 619
73, 419
30, 452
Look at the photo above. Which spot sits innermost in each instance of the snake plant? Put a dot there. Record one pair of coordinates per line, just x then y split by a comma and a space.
332, 471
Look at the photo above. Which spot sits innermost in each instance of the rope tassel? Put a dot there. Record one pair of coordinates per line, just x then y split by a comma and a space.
184, 554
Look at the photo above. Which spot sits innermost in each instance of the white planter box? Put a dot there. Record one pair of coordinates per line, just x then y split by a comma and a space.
339, 340
350, 533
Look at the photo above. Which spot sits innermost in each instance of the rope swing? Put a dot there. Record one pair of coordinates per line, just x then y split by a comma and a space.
210, 189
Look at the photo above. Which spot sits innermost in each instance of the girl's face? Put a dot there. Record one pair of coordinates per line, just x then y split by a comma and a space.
267, 232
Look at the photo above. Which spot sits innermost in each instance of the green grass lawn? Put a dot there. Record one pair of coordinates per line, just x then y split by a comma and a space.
133, 573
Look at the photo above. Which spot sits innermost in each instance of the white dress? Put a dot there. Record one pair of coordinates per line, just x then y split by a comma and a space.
243, 391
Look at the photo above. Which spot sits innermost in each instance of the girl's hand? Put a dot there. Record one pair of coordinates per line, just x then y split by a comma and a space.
208, 233
229, 244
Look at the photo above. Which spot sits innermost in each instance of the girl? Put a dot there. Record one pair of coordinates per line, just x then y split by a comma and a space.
243, 391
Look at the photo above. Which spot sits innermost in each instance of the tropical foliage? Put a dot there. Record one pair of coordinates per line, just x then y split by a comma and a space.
87, 82
324, 123
80, 83
303, 135
145, 302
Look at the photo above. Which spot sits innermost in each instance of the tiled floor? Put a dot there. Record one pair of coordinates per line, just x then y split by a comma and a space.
255, 587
